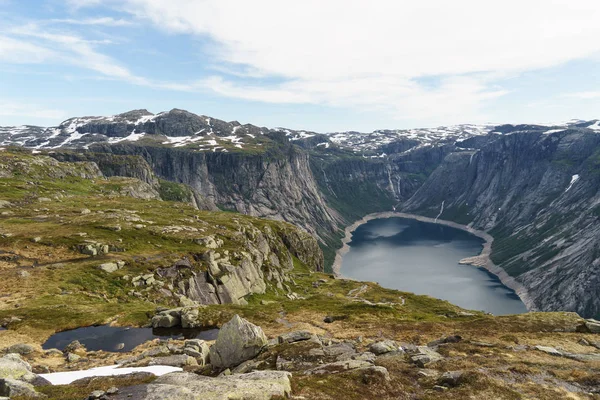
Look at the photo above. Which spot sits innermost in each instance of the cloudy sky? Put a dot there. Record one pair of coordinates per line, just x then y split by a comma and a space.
310, 64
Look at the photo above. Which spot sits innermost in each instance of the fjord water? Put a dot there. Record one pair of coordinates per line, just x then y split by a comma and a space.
422, 258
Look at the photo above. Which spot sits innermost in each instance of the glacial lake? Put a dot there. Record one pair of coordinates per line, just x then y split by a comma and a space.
122, 339
422, 258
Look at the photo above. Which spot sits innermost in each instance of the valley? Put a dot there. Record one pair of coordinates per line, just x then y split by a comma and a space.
534, 188
119, 236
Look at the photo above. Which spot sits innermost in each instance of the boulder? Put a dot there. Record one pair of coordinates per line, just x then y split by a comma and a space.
424, 355
592, 325
294, 337
180, 360
20, 348
374, 374
198, 349
108, 267
12, 367
338, 366
451, 378
238, 341
189, 317
342, 350
549, 350
35, 379
13, 388
209, 242
96, 394
259, 385
75, 345
385, 346
167, 319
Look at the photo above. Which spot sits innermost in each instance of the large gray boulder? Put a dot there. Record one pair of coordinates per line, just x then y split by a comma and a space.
259, 385
592, 325
167, 318
12, 367
238, 341
21, 348
13, 388
383, 347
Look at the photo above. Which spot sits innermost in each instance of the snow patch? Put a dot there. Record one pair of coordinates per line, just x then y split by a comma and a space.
574, 179
145, 118
553, 131
133, 137
595, 126
65, 378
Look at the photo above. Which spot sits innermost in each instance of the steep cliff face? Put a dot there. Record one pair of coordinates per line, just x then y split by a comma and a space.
112, 165
534, 188
538, 195
278, 186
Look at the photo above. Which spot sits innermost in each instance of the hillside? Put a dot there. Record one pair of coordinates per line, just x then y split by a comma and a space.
80, 248
533, 187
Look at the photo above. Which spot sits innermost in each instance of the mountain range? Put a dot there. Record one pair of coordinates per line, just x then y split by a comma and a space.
534, 188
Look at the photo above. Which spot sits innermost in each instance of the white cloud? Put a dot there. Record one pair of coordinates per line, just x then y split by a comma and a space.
359, 53
66, 48
423, 60
102, 21
19, 51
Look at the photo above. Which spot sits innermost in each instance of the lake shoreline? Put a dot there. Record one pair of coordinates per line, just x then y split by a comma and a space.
482, 260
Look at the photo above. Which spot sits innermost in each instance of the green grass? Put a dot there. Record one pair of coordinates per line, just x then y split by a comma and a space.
172, 191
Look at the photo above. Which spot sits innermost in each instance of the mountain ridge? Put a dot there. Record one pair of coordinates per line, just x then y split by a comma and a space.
495, 178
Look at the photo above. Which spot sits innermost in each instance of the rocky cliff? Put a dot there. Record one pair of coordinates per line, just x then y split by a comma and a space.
277, 185
534, 188
538, 195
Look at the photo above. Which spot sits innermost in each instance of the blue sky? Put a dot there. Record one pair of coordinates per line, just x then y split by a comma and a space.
324, 66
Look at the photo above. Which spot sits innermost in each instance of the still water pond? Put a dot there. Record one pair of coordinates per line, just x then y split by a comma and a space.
120, 339
422, 258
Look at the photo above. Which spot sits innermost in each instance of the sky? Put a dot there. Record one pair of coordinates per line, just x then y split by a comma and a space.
325, 66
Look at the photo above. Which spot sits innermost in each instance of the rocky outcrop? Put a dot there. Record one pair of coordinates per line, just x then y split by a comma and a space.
260, 385
534, 188
222, 276
16, 378
112, 165
238, 341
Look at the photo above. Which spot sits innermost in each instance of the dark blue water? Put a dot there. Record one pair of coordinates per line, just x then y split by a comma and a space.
422, 258
107, 338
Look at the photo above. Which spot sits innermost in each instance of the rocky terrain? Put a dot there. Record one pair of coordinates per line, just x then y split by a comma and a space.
533, 187
99, 239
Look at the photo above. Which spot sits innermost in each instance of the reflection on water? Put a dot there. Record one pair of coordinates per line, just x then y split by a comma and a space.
119, 339
422, 258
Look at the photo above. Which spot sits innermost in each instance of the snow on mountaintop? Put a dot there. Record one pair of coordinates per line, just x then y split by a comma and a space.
179, 128
371, 141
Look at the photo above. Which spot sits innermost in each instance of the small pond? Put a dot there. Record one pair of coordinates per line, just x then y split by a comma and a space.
122, 339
